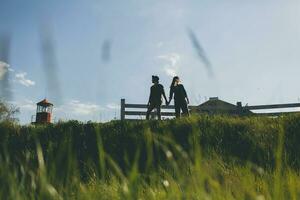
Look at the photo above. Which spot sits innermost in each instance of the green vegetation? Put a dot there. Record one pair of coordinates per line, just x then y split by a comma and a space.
200, 157
8, 112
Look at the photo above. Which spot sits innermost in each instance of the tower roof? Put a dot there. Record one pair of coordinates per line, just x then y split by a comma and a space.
44, 102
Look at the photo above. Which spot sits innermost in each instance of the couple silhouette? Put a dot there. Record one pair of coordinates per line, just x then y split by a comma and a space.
177, 90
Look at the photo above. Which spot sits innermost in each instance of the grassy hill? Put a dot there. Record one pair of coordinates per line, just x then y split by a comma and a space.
200, 157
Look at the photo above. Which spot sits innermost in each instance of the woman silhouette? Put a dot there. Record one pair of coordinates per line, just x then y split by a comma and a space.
181, 100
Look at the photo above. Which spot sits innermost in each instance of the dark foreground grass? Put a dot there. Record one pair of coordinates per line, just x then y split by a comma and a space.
200, 157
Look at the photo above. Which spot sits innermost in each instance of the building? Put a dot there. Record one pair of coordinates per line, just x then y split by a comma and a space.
216, 106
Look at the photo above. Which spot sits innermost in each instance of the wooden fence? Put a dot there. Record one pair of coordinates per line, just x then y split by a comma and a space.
124, 112
274, 106
168, 111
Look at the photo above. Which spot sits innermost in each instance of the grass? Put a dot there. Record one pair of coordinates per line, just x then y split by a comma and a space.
200, 157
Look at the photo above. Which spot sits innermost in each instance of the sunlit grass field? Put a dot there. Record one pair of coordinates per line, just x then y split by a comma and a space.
200, 157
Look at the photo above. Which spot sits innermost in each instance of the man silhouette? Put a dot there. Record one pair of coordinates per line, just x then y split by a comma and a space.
155, 101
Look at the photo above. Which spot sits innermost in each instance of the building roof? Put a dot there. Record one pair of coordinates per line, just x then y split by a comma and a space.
44, 102
215, 105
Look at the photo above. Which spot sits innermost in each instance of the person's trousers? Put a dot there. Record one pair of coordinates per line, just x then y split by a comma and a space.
151, 107
181, 105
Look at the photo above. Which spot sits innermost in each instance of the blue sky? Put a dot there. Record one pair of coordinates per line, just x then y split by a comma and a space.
253, 46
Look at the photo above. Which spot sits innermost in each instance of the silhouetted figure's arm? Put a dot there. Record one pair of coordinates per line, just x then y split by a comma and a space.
185, 95
150, 97
171, 94
164, 95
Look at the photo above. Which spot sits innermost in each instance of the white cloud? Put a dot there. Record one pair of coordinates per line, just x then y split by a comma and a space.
29, 105
4, 67
113, 106
73, 109
159, 44
25, 105
171, 67
170, 72
21, 78
85, 111
78, 108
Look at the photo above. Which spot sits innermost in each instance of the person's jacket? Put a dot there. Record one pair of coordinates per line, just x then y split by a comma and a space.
156, 92
179, 93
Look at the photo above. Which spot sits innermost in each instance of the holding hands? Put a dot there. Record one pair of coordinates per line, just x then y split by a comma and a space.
168, 102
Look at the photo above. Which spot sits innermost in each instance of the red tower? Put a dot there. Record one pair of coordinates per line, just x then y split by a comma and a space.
43, 112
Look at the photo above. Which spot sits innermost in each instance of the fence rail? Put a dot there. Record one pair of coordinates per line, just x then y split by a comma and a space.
273, 106
125, 106
145, 106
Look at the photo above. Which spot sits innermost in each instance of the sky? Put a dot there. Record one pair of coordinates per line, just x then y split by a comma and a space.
102, 51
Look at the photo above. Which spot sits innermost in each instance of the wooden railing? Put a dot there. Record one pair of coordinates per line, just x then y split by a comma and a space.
168, 111
273, 106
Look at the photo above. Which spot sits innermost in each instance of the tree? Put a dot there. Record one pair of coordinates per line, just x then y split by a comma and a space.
8, 112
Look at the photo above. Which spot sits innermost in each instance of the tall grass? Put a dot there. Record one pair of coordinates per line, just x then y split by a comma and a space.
200, 157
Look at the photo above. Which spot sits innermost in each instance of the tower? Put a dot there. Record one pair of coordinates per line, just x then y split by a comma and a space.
43, 112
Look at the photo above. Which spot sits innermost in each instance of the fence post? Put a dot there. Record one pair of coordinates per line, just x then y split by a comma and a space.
239, 107
122, 109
